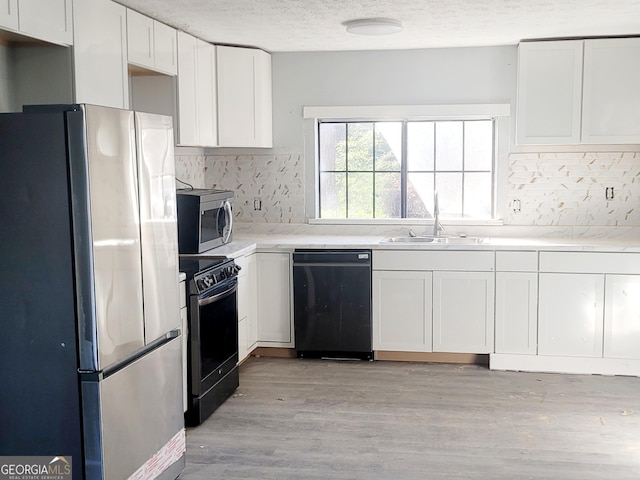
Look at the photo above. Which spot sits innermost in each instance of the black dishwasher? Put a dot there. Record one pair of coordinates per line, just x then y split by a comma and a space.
332, 303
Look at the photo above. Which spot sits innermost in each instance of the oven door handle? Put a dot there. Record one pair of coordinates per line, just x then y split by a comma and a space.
218, 296
229, 223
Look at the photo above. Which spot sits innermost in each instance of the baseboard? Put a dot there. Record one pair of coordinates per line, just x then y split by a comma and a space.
433, 357
277, 352
556, 364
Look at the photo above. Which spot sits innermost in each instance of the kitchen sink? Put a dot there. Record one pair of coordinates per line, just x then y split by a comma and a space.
459, 240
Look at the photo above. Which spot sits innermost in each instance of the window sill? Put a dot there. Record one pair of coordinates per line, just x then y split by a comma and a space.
404, 221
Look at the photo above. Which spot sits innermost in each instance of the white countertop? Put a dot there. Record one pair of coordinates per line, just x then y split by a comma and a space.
243, 244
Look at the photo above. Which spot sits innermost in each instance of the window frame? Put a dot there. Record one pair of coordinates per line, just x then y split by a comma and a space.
314, 115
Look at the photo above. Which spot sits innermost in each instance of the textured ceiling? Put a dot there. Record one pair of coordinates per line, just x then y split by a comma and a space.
312, 25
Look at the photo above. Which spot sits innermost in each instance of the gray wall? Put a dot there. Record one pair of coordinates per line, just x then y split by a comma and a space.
405, 77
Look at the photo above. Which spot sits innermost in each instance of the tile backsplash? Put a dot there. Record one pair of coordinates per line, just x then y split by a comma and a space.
268, 188
570, 189
543, 190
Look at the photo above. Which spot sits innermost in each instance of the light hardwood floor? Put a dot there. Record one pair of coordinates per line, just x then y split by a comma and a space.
324, 419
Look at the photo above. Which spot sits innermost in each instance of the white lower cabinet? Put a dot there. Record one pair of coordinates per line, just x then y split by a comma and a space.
274, 299
516, 327
516, 312
402, 311
622, 317
463, 312
440, 301
247, 306
571, 314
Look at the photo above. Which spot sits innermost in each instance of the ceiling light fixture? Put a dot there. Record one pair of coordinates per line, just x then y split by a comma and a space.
373, 26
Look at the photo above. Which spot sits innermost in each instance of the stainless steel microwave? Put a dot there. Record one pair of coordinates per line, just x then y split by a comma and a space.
205, 219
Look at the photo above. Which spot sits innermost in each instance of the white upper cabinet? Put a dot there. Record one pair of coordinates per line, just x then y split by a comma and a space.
47, 20
579, 92
244, 97
196, 92
611, 91
9, 14
549, 92
151, 44
100, 53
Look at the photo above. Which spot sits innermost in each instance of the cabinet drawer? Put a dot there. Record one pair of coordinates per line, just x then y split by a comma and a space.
405, 260
517, 261
589, 262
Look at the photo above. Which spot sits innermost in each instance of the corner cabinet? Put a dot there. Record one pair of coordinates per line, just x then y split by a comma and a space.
274, 299
47, 20
100, 53
549, 92
197, 123
244, 97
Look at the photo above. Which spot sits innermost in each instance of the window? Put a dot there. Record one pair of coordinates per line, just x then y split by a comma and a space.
379, 169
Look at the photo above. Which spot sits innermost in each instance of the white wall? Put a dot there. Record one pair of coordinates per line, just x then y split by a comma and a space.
406, 77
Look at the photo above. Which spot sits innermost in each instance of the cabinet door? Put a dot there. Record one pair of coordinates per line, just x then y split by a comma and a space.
140, 39
570, 316
187, 81
264, 95
622, 317
48, 20
236, 96
165, 48
9, 14
611, 96
206, 94
516, 312
274, 298
549, 92
402, 311
252, 300
463, 312
100, 53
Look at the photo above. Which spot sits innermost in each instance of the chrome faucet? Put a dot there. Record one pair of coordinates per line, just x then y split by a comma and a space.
437, 226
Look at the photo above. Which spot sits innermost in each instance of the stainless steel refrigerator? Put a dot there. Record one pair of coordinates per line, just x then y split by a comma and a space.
90, 354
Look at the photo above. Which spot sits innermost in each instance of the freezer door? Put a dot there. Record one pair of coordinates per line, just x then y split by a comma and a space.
159, 232
135, 414
105, 209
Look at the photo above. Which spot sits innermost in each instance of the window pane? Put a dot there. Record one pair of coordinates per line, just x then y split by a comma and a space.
478, 145
388, 193
449, 146
420, 146
420, 195
477, 195
333, 198
449, 186
333, 146
360, 146
388, 146
360, 195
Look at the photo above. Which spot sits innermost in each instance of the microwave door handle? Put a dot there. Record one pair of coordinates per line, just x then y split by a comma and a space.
229, 215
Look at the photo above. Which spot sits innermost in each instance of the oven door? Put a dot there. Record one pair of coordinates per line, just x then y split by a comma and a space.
213, 335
